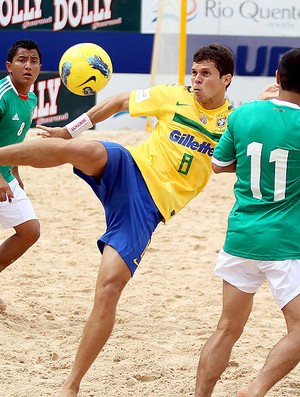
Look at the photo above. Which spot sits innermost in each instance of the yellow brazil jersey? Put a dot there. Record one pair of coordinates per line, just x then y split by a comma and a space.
175, 160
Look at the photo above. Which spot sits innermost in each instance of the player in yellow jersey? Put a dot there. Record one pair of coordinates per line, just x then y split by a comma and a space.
138, 186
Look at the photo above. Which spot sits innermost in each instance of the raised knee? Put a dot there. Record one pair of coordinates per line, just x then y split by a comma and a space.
34, 235
91, 158
32, 232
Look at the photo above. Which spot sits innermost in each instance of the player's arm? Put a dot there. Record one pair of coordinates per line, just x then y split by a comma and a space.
15, 172
269, 92
218, 168
94, 115
223, 159
108, 107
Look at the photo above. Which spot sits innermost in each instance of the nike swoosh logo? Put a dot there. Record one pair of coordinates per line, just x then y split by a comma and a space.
181, 104
91, 78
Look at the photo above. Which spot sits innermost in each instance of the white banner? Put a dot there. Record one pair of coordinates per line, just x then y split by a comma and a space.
270, 18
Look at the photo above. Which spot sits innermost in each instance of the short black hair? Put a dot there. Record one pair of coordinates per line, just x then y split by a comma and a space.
289, 70
220, 55
28, 44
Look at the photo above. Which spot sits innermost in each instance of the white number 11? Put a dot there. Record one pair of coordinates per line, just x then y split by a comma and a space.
280, 157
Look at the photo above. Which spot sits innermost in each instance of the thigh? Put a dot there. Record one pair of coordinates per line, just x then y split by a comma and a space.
237, 307
20, 210
113, 269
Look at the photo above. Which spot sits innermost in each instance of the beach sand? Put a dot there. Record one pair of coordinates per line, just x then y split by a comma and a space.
166, 313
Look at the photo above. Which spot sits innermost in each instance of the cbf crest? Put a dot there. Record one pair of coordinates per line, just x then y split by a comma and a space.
203, 118
221, 121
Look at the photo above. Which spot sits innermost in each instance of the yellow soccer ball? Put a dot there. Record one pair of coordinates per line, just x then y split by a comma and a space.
85, 68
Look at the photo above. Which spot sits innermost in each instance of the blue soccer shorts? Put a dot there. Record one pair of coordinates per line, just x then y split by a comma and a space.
130, 212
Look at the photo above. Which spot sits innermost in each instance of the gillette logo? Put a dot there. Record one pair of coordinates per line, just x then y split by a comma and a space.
188, 141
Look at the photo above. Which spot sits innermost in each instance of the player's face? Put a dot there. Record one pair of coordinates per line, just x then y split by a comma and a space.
24, 69
209, 87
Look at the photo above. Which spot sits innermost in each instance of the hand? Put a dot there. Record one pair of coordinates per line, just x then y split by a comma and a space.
5, 191
53, 132
269, 92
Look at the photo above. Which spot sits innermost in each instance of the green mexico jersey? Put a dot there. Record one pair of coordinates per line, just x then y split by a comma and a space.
263, 137
15, 118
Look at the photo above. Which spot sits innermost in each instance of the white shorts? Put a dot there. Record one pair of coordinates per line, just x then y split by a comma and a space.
248, 275
19, 210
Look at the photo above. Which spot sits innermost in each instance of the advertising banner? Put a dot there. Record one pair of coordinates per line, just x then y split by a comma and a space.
56, 15
57, 106
257, 32
227, 17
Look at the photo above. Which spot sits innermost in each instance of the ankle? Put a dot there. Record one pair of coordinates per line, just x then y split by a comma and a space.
69, 389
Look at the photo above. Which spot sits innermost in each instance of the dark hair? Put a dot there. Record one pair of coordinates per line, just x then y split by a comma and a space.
289, 71
27, 44
220, 55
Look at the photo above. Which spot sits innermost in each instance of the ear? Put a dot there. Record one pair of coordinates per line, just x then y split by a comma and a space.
8, 66
227, 79
277, 77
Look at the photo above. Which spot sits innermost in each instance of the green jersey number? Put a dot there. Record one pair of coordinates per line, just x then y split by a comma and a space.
185, 164
280, 158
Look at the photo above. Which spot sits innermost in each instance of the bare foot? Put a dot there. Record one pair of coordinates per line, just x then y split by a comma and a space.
2, 306
243, 392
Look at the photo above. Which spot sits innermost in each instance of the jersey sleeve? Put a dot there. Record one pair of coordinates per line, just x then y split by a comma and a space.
149, 101
2, 107
224, 152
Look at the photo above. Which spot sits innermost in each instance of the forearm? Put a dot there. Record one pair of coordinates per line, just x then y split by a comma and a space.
108, 107
15, 171
96, 114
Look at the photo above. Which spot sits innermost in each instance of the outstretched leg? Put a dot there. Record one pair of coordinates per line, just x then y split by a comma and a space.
113, 276
216, 352
88, 156
284, 356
